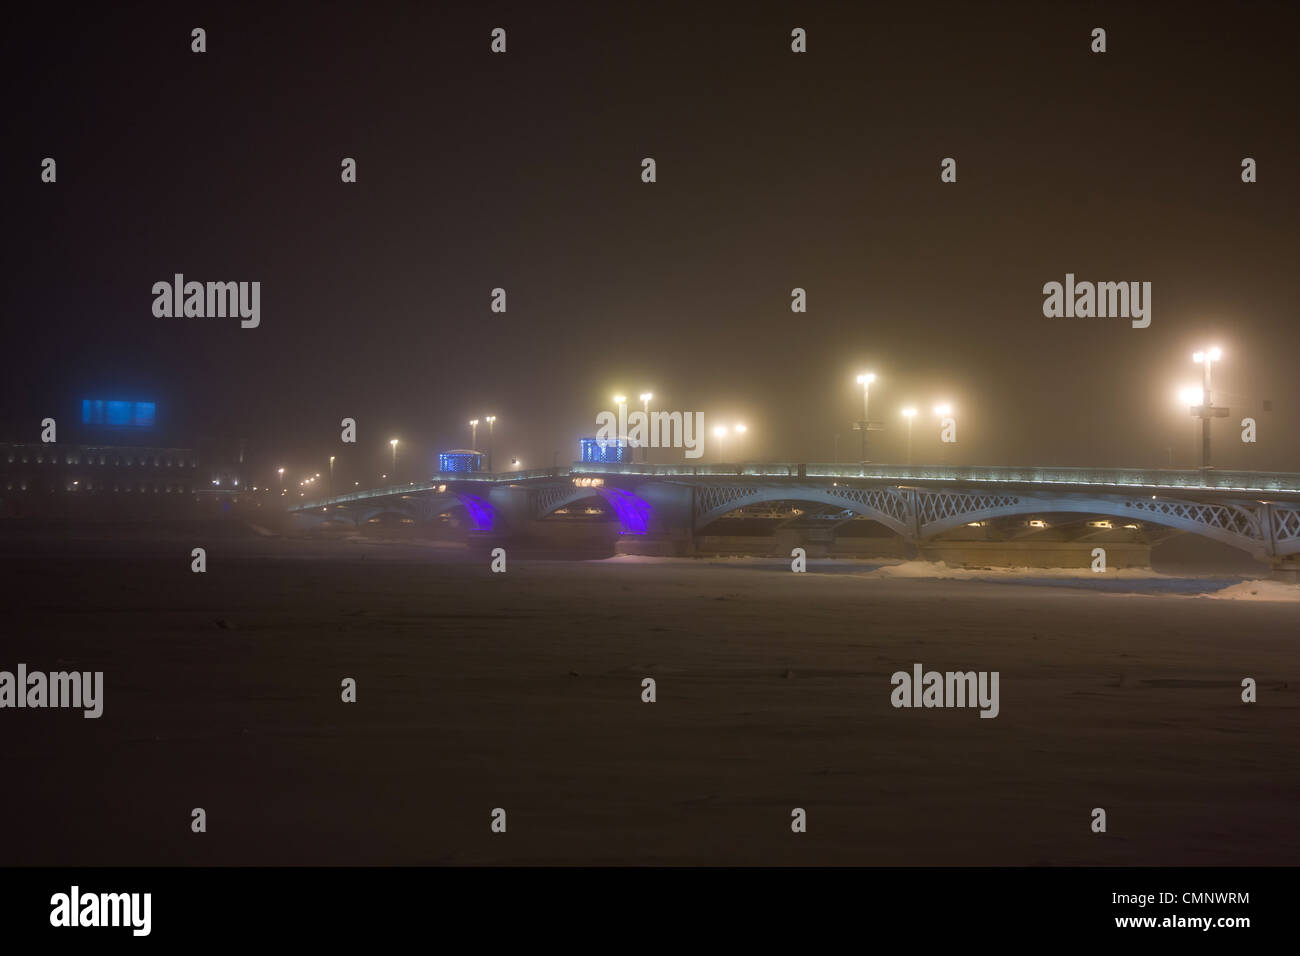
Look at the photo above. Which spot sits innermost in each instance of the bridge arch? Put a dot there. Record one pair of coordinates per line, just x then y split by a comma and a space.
887, 505
1238, 524
631, 511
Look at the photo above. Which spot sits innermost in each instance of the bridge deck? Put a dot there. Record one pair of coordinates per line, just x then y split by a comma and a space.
1280, 485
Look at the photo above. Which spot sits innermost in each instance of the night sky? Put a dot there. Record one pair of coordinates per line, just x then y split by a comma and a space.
775, 170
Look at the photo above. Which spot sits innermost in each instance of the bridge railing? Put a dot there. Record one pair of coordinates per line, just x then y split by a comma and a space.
1252, 482
1146, 479
442, 478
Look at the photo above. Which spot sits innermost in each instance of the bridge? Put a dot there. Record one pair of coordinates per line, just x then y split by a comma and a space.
996, 512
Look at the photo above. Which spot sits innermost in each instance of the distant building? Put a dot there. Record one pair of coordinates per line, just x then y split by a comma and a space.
460, 459
33, 473
113, 464
608, 451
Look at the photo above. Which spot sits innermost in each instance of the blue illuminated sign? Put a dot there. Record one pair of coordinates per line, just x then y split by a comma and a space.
117, 414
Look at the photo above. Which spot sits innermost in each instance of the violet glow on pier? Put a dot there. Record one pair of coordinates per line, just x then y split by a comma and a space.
480, 512
633, 513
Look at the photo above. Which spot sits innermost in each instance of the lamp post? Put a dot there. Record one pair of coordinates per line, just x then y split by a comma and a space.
393, 442
909, 414
1192, 397
620, 402
1206, 409
645, 406
865, 380
944, 412
473, 434
739, 430
331, 487
720, 433
280, 472
491, 420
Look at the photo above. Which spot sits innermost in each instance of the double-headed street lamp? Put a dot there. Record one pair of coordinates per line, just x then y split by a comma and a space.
943, 411
393, 442
619, 402
645, 406
491, 420
908, 415
720, 433
473, 434
865, 380
1205, 409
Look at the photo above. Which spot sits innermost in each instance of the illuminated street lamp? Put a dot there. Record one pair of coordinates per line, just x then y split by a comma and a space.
739, 430
491, 420
393, 442
865, 380
331, 487
1205, 409
944, 412
1190, 397
720, 433
280, 472
909, 414
645, 406
619, 402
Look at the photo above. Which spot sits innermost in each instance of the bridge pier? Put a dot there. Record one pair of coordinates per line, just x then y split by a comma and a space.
1286, 570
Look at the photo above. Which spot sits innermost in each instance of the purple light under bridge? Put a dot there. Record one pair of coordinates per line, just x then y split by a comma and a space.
633, 513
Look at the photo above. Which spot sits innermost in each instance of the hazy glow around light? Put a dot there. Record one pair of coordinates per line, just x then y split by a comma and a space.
909, 412
720, 431
1191, 396
866, 378
943, 409
741, 429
